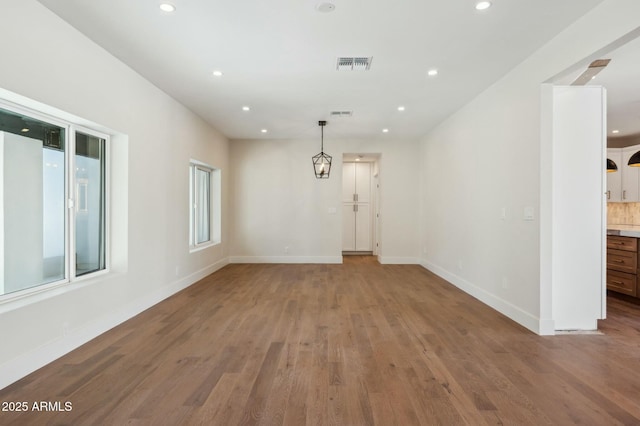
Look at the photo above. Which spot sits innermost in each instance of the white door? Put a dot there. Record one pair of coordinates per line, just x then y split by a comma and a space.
363, 227
363, 182
348, 227
348, 182
356, 207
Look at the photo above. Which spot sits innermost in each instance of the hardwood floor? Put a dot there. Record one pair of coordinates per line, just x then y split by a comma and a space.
353, 344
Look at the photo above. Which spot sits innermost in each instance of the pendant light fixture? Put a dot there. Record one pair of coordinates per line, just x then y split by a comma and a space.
634, 161
322, 161
611, 166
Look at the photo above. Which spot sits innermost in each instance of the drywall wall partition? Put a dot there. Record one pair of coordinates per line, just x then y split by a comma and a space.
282, 213
489, 231
153, 137
579, 218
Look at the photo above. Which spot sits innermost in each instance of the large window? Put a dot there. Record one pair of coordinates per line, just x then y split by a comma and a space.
204, 200
52, 201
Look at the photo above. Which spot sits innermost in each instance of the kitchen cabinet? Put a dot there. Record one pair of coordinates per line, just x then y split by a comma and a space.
623, 185
622, 265
356, 207
630, 176
614, 179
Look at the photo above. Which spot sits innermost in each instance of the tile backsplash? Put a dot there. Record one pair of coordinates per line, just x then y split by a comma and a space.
623, 213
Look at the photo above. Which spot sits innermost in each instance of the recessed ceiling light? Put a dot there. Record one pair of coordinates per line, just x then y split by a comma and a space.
615, 131
482, 5
432, 72
357, 159
264, 130
217, 73
325, 6
400, 108
385, 130
246, 108
167, 7
25, 130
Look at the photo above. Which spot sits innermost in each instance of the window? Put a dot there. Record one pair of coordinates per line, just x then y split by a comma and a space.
204, 201
52, 201
90, 203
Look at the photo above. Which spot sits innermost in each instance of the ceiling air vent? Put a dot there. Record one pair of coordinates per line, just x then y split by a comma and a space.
338, 114
354, 64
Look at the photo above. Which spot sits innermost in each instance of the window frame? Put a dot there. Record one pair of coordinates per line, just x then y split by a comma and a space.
69, 274
214, 192
72, 203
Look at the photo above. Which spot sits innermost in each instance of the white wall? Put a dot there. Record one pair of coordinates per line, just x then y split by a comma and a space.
281, 211
154, 137
495, 153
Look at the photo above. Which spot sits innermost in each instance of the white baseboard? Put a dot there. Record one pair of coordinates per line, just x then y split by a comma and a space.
17, 368
285, 259
506, 308
388, 260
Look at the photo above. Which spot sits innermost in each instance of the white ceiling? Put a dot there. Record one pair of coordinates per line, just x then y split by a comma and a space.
279, 57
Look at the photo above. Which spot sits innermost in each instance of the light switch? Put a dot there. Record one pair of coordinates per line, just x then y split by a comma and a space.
332, 210
528, 213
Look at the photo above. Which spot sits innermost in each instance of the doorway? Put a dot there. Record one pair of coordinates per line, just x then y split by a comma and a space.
360, 204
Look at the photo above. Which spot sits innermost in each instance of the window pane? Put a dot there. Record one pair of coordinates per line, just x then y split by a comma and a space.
203, 205
89, 204
32, 199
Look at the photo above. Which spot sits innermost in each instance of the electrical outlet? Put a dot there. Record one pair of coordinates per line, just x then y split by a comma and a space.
286, 249
460, 265
505, 283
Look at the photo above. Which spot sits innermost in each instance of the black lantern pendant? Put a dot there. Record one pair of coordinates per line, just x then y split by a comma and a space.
322, 161
611, 166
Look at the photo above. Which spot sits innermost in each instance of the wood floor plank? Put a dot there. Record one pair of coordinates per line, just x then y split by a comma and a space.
262, 385
221, 366
296, 408
352, 344
217, 399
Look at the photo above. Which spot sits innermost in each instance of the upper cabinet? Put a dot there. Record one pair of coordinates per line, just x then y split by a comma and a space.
356, 182
623, 185
614, 179
630, 176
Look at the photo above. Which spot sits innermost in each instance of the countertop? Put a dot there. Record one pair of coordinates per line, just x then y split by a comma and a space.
624, 230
